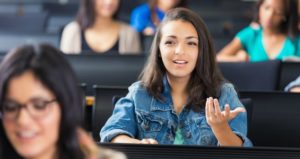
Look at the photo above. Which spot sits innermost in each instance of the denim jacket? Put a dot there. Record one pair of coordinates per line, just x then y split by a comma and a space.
139, 115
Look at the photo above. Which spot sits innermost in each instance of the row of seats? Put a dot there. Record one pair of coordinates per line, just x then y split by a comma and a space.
123, 70
143, 151
47, 18
272, 116
116, 70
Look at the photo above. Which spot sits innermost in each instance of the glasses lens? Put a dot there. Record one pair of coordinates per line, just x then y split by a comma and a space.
39, 107
10, 109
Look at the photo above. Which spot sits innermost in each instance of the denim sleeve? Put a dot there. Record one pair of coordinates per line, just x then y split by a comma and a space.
293, 84
122, 121
239, 123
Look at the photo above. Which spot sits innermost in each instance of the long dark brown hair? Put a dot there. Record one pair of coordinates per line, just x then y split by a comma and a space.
206, 79
86, 14
153, 5
290, 25
51, 68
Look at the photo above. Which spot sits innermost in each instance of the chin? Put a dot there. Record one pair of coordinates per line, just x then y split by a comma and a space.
180, 75
29, 151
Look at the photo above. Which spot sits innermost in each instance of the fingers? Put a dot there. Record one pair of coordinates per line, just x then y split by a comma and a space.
149, 141
215, 116
227, 111
210, 107
207, 114
88, 146
236, 111
217, 108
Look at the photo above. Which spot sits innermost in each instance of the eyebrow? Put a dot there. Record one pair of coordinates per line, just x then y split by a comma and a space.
189, 37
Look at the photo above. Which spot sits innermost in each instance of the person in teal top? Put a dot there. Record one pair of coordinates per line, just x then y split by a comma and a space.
252, 42
275, 35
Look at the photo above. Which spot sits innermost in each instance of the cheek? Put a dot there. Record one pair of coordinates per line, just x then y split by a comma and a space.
9, 128
51, 124
165, 54
194, 56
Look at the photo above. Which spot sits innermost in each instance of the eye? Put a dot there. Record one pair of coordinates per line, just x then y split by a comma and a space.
9, 106
266, 7
192, 43
279, 13
169, 42
40, 104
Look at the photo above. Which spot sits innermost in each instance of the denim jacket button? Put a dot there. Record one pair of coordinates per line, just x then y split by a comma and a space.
180, 125
147, 128
188, 135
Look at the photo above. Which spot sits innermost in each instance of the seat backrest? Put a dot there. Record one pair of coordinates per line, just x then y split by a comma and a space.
111, 70
103, 106
289, 72
252, 76
274, 118
147, 151
26, 23
247, 102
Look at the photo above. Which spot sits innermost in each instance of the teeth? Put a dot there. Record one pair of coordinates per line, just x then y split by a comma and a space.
26, 134
180, 62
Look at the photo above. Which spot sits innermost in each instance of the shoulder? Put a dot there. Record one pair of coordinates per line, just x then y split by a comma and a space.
249, 31
226, 86
137, 87
72, 27
126, 28
139, 95
142, 9
227, 89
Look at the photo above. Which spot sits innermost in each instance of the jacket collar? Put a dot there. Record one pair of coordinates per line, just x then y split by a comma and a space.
167, 103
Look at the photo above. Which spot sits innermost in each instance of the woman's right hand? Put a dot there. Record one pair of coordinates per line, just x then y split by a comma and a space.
127, 139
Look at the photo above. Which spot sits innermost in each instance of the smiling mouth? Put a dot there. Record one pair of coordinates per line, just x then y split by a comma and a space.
26, 134
181, 62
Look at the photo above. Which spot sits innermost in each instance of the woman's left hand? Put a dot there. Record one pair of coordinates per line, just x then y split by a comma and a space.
87, 144
217, 118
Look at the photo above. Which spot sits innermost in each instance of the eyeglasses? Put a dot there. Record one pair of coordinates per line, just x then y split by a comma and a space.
37, 108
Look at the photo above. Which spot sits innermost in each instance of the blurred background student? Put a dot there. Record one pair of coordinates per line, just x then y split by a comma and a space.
41, 108
146, 17
97, 30
275, 37
294, 86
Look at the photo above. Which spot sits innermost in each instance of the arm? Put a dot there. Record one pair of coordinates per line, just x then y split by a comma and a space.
233, 52
237, 118
121, 127
219, 123
127, 139
294, 86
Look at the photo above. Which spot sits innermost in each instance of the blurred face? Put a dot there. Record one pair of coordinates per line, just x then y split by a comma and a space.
168, 4
179, 48
106, 8
271, 14
31, 117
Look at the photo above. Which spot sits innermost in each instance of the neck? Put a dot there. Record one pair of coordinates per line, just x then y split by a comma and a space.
272, 32
178, 85
104, 23
162, 7
49, 154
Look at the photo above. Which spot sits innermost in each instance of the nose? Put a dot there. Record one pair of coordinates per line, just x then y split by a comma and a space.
23, 117
107, 2
180, 49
